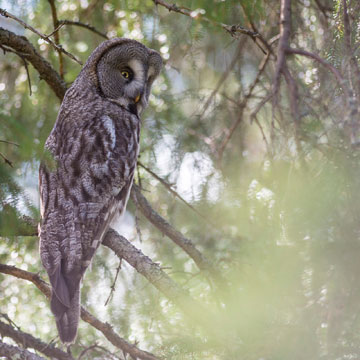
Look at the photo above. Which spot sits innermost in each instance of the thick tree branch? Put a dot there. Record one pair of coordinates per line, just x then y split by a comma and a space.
29, 341
14, 352
153, 273
179, 239
44, 37
46, 71
105, 328
57, 36
146, 267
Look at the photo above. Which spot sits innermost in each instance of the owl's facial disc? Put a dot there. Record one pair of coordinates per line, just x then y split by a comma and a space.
126, 73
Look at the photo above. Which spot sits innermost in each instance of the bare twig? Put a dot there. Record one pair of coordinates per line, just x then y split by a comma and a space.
14, 352
55, 30
171, 190
29, 341
89, 348
231, 131
95, 347
242, 106
7, 161
86, 26
233, 30
9, 142
257, 122
223, 77
27, 74
113, 284
177, 237
56, 36
105, 328
339, 78
260, 105
155, 275
137, 225
21, 55
46, 71
42, 36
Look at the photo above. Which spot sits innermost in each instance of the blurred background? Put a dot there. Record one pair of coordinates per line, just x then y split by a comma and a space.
270, 184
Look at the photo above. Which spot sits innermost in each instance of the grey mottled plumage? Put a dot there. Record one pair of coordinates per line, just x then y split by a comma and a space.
94, 147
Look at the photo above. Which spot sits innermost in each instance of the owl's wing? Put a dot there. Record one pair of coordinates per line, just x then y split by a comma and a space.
90, 183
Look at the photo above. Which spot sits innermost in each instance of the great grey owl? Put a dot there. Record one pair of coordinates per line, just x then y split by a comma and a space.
93, 148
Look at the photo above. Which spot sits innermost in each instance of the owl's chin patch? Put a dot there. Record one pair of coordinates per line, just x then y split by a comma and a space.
139, 108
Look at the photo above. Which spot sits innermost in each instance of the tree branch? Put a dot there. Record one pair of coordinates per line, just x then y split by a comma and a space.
172, 191
285, 29
5, 49
46, 71
153, 273
56, 36
86, 26
242, 106
351, 58
176, 236
14, 352
28, 341
44, 37
6, 160
224, 76
339, 78
105, 328
232, 29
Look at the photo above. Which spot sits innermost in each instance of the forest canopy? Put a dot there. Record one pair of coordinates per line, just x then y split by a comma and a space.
241, 239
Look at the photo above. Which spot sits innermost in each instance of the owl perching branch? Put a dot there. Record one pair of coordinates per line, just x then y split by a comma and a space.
105, 328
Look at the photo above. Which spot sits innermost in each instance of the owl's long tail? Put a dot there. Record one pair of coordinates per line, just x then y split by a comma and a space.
65, 305
67, 319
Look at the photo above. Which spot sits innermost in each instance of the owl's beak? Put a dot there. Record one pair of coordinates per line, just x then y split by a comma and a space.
137, 99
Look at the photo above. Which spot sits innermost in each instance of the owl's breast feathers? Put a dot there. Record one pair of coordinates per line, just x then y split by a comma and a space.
94, 149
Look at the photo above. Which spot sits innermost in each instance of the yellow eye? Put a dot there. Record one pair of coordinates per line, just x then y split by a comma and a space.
125, 74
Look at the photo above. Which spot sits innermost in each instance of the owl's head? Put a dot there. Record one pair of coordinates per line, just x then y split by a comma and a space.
124, 70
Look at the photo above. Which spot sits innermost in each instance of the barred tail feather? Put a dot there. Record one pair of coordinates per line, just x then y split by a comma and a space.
65, 302
67, 318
